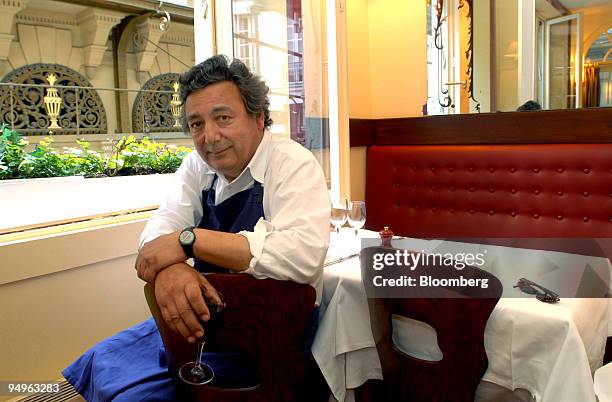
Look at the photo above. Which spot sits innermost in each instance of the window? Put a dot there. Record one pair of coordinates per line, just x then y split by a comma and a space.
285, 42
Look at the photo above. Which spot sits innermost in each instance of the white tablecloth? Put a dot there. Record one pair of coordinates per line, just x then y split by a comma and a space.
550, 350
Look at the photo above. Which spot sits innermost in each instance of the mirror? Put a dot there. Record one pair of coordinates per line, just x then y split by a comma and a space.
495, 55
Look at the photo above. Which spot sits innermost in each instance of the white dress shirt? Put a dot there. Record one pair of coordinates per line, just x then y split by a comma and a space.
291, 240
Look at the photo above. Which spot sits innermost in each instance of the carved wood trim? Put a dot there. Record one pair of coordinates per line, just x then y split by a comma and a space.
540, 127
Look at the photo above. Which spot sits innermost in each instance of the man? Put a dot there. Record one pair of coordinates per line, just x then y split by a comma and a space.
245, 202
282, 235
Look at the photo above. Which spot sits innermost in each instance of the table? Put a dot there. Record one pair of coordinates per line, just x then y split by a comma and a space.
550, 350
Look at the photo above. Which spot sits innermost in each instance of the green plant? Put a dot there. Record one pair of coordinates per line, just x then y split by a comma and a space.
44, 162
144, 157
11, 152
128, 157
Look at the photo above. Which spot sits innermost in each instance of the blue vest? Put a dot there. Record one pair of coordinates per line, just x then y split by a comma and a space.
237, 213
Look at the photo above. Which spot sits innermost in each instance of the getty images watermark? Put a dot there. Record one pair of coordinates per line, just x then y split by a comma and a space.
428, 269
485, 268
411, 260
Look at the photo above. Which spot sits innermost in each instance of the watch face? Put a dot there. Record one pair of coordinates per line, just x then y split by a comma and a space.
186, 237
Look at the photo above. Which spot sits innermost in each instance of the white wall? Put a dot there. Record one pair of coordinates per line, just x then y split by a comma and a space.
90, 292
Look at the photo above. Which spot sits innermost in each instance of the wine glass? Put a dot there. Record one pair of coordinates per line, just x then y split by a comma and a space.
196, 372
356, 215
338, 214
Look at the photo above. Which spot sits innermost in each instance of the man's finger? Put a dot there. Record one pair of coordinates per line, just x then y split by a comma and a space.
197, 302
169, 317
183, 330
175, 320
209, 292
189, 316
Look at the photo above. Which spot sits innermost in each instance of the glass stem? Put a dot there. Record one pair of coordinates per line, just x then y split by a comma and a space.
201, 344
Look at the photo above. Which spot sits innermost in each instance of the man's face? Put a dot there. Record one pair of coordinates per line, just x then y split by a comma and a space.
225, 135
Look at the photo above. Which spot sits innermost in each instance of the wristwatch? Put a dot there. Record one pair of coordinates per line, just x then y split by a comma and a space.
186, 240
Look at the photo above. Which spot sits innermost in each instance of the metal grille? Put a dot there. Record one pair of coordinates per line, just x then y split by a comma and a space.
22, 107
151, 111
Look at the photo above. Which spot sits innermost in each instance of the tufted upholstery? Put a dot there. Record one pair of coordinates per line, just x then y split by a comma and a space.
543, 190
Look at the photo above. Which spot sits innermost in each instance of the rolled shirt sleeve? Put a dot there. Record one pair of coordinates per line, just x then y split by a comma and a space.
292, 242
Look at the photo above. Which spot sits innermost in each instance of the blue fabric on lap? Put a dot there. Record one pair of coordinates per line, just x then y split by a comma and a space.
131, 366
131, 361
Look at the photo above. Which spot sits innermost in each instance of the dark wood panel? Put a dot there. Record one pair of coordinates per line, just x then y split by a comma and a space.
539, 127
362, 132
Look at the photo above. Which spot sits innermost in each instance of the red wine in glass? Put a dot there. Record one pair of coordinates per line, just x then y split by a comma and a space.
196, 372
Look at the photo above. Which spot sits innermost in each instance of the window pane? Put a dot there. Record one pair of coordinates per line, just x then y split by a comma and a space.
284, 41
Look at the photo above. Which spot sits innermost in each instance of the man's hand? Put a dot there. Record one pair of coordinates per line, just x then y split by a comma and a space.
180, 292
159, 254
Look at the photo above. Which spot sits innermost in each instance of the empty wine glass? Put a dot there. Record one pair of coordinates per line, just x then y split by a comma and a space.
196, 372
338, 214
356, 215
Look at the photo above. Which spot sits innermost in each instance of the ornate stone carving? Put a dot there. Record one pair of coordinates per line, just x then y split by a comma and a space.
39, 17
24, 107
95, 25
155, 108
8, 10
146, 38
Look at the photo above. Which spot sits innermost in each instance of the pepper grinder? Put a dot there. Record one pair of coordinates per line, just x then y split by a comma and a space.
386, 235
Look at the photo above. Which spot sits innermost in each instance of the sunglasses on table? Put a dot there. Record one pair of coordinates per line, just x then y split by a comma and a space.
541, 293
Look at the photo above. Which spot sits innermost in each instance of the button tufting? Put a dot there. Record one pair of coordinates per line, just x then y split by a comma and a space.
397, 185
536, 216
536, 192
560, 217
513, 213
451, 169
414, 168
491, 212
585, 218
452, 188
433, 188
491, 170
452, 211
433, 209
470, 169
472, 189
513, 191
586, 194
536, 170
587, 171
512, 170
472, 211
491, 190
415, 207
560, 170
433, 169
414, 186
560, 192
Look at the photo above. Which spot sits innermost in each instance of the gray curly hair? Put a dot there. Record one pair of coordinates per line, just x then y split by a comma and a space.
253, 89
